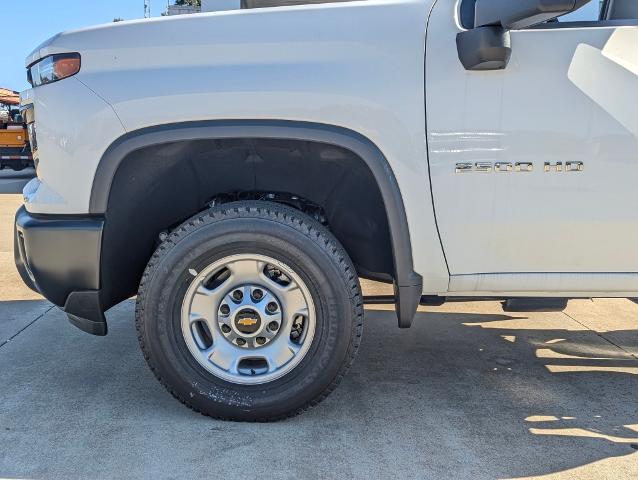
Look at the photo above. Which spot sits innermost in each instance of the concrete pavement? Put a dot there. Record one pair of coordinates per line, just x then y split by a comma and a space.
468, 392
13, 182
19, 306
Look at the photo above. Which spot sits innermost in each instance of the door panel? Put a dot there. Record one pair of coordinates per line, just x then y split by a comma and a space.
567, 95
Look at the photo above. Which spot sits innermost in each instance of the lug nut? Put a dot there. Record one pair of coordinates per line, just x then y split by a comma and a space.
273, 326
225, 309
261, 340
238, 295
258, 295
241, 342
271, 307
225, 329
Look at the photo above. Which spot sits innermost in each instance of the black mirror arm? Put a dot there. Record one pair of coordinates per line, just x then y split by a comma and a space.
518, 14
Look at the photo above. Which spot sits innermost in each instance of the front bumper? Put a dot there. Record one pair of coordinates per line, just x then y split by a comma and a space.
59, 257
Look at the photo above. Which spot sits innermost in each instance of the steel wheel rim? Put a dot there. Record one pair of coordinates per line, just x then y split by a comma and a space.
213, 333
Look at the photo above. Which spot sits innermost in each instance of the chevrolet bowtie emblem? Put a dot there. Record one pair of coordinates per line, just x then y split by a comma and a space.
247, 322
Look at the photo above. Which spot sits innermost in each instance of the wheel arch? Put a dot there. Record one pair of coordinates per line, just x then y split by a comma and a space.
408, 284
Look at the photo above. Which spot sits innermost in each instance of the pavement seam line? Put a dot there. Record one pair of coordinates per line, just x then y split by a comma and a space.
27, 326
601, 336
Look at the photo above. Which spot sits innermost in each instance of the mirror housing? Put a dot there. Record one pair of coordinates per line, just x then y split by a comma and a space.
486, 46
620, 10
517, 14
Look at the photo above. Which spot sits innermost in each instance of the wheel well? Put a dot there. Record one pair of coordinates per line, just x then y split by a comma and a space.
157, 187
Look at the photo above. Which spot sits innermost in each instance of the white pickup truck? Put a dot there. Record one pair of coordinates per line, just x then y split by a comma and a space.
240, 171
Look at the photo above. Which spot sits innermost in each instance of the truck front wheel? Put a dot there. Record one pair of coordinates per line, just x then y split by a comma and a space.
250, 311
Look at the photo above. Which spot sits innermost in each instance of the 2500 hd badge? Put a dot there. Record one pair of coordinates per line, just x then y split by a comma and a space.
504, 167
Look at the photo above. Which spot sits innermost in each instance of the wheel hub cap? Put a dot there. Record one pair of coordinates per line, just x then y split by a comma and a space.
248, 319
248, 322
249, 316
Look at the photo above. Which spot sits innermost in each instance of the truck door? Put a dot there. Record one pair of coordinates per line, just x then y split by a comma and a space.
534, 167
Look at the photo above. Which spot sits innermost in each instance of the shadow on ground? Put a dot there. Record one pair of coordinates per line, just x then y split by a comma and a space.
457, 396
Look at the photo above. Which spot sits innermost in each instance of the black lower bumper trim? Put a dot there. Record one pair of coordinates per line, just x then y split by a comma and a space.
85, 312
59, 257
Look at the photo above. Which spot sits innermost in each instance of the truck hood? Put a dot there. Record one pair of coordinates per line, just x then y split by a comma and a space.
37, 54
97, 36
145, 32
74, 40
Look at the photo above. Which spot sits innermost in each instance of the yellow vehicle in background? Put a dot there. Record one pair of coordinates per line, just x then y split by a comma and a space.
15, 150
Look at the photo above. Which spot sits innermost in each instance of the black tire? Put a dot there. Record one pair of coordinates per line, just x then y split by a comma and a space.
281, 233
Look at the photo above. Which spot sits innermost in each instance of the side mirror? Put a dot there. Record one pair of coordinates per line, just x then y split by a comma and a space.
620, 10
486, 46
517, 14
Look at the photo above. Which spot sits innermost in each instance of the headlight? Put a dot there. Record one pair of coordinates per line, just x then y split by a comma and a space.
53, 68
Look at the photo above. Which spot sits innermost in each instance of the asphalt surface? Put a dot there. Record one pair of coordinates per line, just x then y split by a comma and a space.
468, 392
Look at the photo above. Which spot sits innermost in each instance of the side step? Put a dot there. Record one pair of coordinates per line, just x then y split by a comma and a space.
531, 304
518, 304
429, 300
